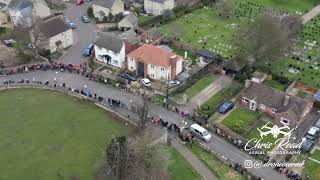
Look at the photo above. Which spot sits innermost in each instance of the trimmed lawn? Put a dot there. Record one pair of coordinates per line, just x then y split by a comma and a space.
200, 85
275, 84
48, 135
181, 52
240, 119
142, 19
312, 168
218, 167
179, 168
223, 95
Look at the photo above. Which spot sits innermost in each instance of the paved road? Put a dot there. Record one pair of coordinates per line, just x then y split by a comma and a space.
76, 81
311, 14
83, 35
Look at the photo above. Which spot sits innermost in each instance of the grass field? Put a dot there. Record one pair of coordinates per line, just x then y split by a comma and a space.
275, 84
312, 168
179, 168
219, 169
47, 135
240, 119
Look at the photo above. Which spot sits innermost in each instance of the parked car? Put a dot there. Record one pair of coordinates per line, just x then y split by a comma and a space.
9, 42
173, 83
128, 77
225, 107
72, 25
313, 133
146, 82
307, 145
85, 19
79, 2
88, 50
200, 132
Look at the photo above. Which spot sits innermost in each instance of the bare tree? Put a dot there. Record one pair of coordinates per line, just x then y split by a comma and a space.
143, 112
268, 38
225, 8
137, 158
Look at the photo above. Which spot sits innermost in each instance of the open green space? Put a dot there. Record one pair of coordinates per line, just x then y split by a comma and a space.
311, 169
48, 135
142, 19
219, 98
240, 119
203, 28
220, 169
179, 168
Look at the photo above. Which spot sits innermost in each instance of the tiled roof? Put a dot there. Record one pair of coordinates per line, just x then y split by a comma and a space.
53, 26
109, 41
151, 54
275, 99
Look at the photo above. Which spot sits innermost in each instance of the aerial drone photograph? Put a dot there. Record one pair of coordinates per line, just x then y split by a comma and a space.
159, 89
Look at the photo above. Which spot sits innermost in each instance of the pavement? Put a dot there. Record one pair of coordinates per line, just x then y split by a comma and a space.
76, 81
311, 14
197, 165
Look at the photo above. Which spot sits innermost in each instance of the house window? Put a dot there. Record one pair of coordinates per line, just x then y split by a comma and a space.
152, 75
131, 67
162, 77
262, 106
115, 62
274, 110
246, 100
285, 121
252, 105
152, 66
162, 69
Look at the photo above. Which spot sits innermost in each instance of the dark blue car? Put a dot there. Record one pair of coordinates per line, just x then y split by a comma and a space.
88, 50
225, 107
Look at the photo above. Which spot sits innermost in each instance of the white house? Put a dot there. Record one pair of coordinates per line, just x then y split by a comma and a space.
54, 34
156, 7
110, 49
154, 62
102, 8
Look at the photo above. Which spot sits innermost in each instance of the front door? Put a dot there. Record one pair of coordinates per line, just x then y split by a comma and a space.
140, 70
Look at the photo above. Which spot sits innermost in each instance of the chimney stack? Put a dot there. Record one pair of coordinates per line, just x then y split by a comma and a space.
286, 100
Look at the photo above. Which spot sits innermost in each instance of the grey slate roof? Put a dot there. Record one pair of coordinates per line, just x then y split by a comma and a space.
275, 99
109, 41
206, 53
105, 3
130, 36
20, 4
53, 26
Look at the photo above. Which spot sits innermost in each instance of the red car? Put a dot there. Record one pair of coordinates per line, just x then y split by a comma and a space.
79, 2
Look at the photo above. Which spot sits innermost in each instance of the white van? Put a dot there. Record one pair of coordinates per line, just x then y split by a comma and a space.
200, 132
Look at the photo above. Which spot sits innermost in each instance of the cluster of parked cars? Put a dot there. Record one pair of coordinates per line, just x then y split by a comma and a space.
311, 137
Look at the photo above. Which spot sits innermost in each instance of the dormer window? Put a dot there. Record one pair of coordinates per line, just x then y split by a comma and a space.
274, 110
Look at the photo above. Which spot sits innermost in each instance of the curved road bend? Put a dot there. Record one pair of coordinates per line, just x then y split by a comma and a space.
76, 81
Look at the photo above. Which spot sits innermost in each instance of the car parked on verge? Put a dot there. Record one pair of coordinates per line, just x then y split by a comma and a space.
146, 82
225, 107
313, 133
173, 83
307, 145
85, 19
200, 132
88, 50
128, 77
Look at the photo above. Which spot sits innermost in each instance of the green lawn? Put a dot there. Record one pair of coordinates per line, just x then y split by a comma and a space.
200, 85
203, 28
48, 135
312, 168
181, 52
275, 84
219, 169
223, 95
240, 119
179, 168
142, 19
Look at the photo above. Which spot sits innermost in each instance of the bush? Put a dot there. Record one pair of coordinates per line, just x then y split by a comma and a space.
90, 12
3, 30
